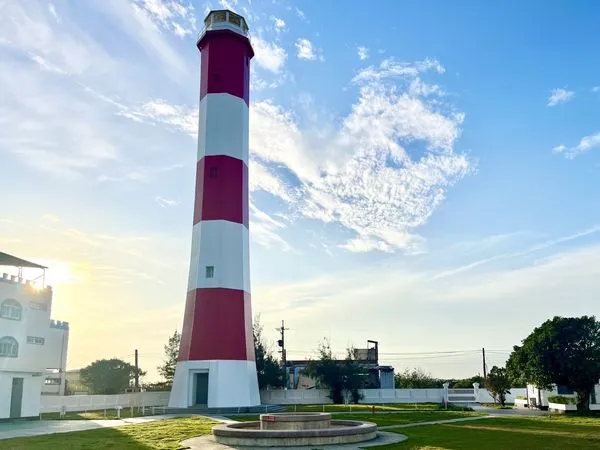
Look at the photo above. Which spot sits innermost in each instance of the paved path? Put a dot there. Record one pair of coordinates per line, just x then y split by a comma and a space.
510, 412
433, 422
39, 427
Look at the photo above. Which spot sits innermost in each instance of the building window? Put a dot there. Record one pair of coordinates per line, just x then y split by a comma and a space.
9, 347
213, 172
210, 271
35, 340
40, 306
11, 309
52, 381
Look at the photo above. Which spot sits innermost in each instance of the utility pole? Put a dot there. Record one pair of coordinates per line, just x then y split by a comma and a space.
137, 373
484, 365
281, 343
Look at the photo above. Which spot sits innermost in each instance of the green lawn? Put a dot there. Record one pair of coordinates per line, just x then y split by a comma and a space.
161, 435
543, 433
385, 419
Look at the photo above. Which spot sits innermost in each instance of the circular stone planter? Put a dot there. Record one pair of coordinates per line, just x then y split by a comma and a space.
292, 431
295, 421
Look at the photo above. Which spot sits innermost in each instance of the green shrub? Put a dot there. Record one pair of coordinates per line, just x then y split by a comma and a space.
561, 399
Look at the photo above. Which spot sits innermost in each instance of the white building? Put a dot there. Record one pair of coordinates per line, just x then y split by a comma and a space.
33, 348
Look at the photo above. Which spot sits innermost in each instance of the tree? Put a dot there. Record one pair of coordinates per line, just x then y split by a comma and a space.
268, 370
467, 383
167, 369
108, 376
498, 384
562, 351
416, 379
340, 377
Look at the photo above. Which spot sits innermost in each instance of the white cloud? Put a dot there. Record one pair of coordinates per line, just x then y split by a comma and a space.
228, 4
269, 55
586, 144
279, 23
305, 49
392, 68
171, 15
559, 96
160, 111
46, 65
264, 230
52, 11
142, 22
363, 52
380, 174
300, 14
165, 202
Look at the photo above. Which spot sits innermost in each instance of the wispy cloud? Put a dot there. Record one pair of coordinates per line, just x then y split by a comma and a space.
279, 23
586, 144
172, 15
305, 49
269, 55
300, 14
165, 202
265, 230
596, 89
363, 52
53, 12
361, 174
559, 96
392, 68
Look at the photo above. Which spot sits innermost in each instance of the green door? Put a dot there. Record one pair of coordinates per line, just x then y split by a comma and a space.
16, 398
201, 389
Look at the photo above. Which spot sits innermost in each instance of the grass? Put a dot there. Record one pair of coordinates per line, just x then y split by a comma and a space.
392, 418
160, 435
96, 414
498, 406
543, 433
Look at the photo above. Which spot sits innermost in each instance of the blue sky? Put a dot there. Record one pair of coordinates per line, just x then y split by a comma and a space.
422, 173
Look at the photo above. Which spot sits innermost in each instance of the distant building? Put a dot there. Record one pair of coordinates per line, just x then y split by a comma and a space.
74, 386
377, 376
33, 348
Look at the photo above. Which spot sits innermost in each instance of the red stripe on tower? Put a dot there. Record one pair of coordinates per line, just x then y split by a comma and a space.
221, 190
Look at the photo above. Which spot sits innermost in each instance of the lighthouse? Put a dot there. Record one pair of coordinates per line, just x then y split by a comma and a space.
216, 366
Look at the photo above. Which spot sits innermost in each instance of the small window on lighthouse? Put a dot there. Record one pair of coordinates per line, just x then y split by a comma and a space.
213, 172
210, 271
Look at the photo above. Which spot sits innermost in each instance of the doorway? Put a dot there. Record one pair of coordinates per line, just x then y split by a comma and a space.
16, 398
201, 389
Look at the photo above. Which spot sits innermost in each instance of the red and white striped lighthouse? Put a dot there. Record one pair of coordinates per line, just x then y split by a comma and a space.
217, 367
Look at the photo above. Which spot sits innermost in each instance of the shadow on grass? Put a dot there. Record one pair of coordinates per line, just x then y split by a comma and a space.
161, 435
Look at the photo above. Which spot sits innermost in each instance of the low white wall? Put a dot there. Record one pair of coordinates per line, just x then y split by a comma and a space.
319, 396
52, 403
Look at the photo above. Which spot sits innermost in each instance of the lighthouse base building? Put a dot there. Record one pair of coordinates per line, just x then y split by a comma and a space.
217, 367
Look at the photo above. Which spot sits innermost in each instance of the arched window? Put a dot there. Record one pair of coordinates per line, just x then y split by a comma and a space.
9, 347
11, 309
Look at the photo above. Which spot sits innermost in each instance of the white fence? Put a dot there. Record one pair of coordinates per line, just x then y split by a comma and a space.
319, 396
74, 403
55, 403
